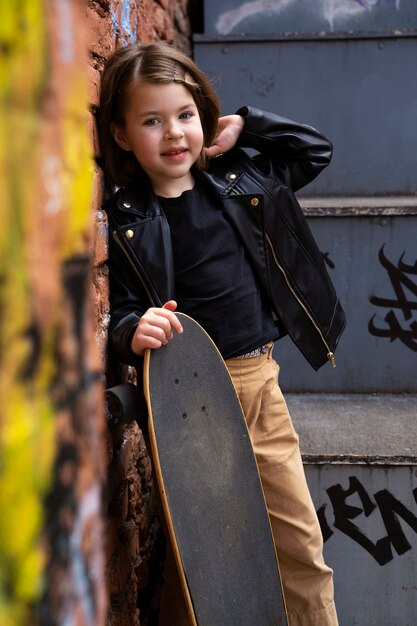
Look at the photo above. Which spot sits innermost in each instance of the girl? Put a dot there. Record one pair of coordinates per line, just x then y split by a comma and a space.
197, 223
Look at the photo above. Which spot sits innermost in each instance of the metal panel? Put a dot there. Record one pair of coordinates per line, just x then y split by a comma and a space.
360, 454
369, 521
347, 68
272, 16
361, 93
373, 262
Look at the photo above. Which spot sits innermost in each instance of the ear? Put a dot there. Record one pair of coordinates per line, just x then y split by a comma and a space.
119, 136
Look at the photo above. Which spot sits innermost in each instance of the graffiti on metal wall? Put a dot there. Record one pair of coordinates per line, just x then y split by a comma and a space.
331, 10
400, 321
328, 261
383, 505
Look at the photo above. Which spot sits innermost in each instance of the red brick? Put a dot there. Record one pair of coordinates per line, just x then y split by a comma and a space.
132, 526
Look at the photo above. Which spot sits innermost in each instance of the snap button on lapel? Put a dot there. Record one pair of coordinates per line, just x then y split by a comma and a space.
231, 176
254, 201
129, 234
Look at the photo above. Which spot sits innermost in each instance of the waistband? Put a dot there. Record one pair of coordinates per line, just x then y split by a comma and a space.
257, 352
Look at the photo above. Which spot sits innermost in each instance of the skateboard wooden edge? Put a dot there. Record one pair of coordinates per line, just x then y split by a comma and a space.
161, 487
160, 480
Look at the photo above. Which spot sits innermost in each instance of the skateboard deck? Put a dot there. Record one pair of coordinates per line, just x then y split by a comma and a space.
210, 486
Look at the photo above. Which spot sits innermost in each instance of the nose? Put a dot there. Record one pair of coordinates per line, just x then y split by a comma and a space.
173, 130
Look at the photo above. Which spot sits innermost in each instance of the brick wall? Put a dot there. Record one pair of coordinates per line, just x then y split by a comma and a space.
135, 545
52, 450
111, 24
68, 555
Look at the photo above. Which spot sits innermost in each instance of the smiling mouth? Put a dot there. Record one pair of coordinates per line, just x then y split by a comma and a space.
174, 152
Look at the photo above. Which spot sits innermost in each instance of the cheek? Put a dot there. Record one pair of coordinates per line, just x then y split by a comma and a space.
145, 146
200, 137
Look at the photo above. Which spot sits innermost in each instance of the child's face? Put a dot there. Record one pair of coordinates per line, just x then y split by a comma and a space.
163, 130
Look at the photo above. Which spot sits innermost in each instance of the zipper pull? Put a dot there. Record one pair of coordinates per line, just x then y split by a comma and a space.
331, 358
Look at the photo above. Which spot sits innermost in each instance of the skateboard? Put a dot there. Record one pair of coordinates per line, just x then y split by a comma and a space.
210, 486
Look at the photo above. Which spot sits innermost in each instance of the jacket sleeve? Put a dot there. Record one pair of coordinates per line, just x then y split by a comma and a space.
127, 304
125, 307
299, 150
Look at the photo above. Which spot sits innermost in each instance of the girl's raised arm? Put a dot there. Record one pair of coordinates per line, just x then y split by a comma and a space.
301, 149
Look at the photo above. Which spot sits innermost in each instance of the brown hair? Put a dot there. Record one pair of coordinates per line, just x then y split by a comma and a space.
153, 63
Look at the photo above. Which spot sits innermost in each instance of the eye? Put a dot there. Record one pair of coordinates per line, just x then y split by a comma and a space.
186, 115
151, 121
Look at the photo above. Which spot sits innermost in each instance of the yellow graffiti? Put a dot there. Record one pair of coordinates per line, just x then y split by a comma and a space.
77, 186
25, 415
27, 428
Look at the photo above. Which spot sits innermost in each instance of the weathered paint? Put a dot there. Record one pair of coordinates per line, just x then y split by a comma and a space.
51, 442
45, 185
360, 456
73, 529
360, 92
373, 262
272, 16
26, 435
125, 20
368, 516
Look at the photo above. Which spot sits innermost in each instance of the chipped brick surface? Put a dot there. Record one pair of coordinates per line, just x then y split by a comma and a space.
83, 537
134, 540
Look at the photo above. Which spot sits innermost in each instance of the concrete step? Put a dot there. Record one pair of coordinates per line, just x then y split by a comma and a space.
356, 428
357, 206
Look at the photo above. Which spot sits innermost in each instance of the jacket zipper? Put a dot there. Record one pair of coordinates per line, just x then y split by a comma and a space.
135, 269
329, 353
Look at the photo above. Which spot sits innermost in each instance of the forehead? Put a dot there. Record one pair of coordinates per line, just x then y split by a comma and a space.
146, 97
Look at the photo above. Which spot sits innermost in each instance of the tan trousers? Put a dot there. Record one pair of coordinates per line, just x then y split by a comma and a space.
307, 581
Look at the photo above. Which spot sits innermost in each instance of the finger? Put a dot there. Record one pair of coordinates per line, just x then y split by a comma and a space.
153, 335
141, 342
170, 307
160, 335
159, 324
213, 151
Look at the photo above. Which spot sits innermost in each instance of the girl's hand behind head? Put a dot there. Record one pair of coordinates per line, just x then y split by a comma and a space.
228, 132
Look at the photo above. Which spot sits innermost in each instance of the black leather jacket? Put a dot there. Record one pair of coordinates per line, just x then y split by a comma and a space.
257, 194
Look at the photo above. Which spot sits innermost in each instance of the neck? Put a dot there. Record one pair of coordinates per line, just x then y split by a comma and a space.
174, 188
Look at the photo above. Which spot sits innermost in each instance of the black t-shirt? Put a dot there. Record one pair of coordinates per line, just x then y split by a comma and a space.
214, 280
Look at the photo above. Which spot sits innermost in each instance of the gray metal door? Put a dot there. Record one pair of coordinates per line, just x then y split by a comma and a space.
348, 68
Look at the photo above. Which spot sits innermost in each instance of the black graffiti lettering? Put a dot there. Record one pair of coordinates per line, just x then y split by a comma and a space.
394, 331
406, 307
326, 531
343, 513
398, 277
328, 260
406, 267
391, 509
402, 285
